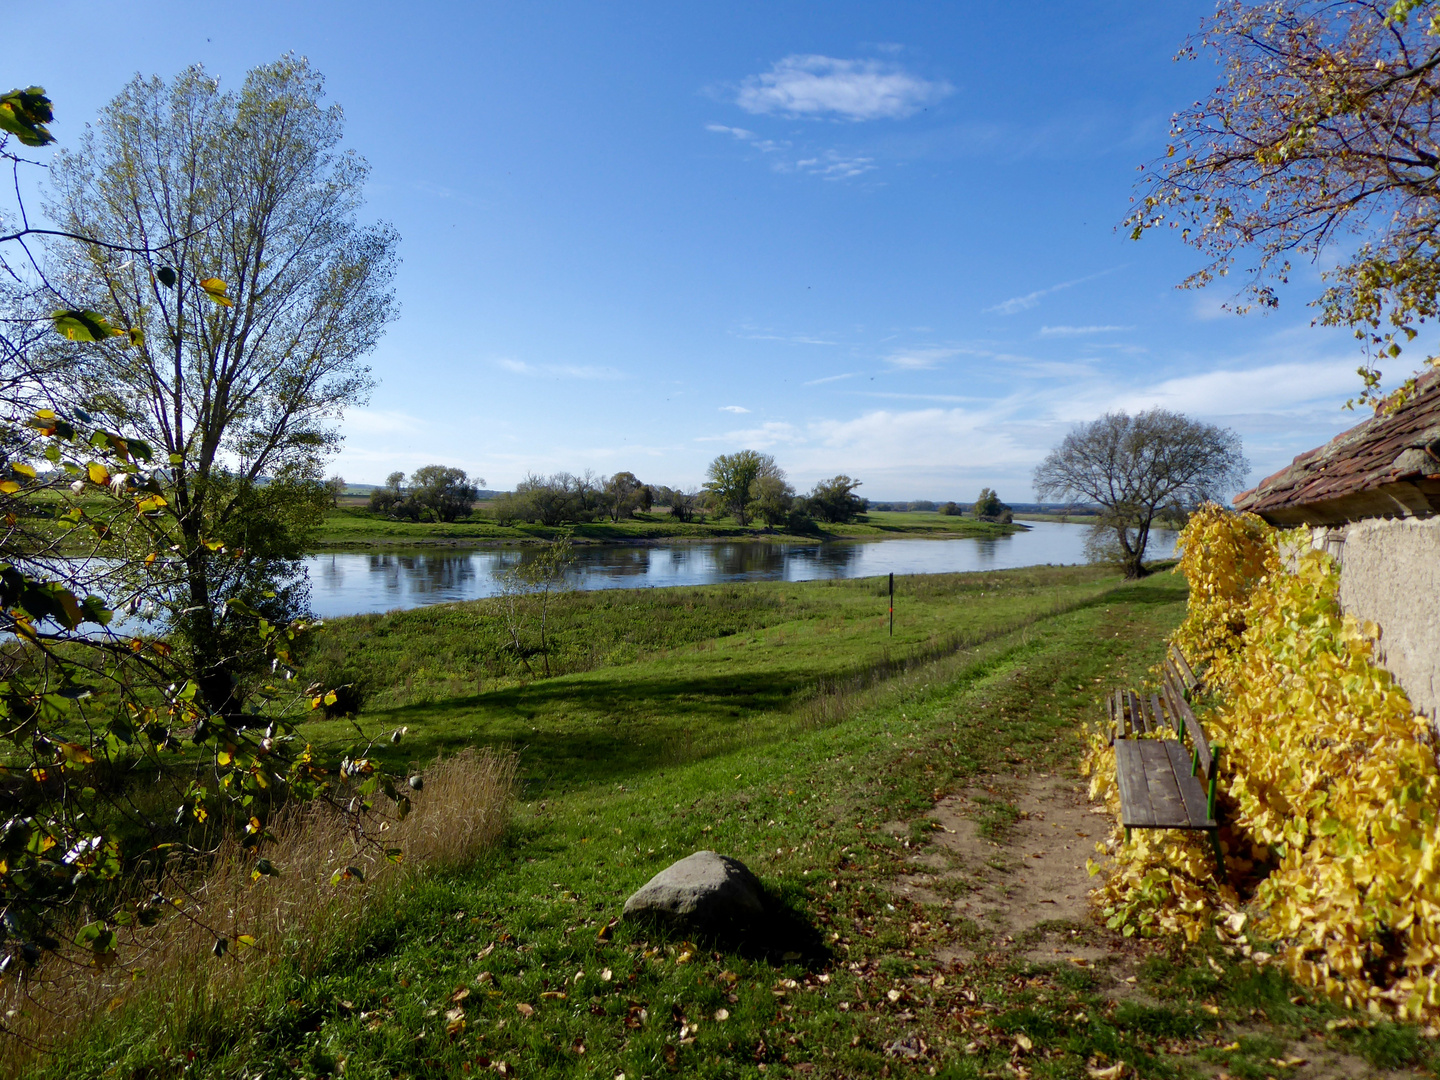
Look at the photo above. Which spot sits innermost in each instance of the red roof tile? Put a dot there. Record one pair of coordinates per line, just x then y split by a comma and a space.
1388, 466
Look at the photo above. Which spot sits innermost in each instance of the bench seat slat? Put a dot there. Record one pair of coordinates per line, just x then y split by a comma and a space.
1156, 788
1160, 717
1137, 714
1130, 775
1149, 793
1165, 798
1191, 790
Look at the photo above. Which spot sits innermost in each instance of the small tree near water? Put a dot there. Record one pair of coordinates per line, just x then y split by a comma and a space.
525, 591
1155, 465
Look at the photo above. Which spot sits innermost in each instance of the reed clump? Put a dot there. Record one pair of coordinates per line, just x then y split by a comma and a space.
192, 974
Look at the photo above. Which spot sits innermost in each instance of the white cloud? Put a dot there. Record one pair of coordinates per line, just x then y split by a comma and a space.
1079, 331
723, 129
1282, 388
734, 408
831, 378
557, 371
818, 86
793, 339
766, 435
1017, 304
920, 359
371, 422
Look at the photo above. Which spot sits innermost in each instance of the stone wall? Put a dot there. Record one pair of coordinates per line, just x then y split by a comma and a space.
1390, 574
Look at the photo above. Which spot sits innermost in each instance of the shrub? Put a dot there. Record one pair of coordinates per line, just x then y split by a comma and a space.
1331, 791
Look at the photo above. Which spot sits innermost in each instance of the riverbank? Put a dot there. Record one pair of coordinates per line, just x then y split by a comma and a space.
348, 528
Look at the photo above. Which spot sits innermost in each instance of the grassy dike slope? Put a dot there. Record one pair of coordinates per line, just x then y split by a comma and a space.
354, 526
725, 743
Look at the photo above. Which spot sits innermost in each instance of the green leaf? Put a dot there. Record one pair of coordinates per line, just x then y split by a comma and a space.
24, 114
166, 275
83, 326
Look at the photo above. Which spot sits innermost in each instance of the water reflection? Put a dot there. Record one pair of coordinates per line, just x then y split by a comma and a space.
348, 584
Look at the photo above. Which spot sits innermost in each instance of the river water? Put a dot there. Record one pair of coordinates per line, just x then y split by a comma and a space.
355, 583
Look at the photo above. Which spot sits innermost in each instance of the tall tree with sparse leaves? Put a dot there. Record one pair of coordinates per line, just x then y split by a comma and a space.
249, 293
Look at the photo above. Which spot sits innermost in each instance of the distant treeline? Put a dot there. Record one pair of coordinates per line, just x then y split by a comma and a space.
744, 486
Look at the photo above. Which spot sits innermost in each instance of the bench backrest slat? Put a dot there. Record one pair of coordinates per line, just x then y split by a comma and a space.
1204, 759
1185, 671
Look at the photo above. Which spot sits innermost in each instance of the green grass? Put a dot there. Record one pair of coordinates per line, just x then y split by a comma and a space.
700, 729
348, 526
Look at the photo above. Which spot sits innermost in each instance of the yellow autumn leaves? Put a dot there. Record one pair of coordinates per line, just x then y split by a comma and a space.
1333, 794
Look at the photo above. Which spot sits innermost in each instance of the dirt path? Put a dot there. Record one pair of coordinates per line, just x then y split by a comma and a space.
1005, 880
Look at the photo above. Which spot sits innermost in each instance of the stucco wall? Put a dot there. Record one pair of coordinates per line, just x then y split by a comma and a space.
1390, 574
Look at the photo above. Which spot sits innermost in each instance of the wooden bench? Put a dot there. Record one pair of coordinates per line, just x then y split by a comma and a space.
1163, 785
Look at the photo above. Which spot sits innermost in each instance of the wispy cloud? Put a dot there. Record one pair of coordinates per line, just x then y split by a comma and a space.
1283, 388
793, 339
830, 379
775, 433
1017, 304
953, 398
827, 164
370, 422
809, 85
1081, 331
831, 165
557, 371
725, 129
734, 408
920, 359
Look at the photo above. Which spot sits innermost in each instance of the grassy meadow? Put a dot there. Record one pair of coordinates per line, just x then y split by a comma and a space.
775, 722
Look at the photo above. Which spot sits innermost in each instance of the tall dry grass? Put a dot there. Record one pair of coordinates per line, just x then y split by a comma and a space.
171, 972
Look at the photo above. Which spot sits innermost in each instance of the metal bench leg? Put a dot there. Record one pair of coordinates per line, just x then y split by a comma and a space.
1219, 856
1127, 834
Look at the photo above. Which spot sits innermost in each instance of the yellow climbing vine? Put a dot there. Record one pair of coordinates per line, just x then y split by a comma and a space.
1330, 789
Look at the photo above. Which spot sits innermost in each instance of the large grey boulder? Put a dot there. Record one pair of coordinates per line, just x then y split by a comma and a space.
704, 891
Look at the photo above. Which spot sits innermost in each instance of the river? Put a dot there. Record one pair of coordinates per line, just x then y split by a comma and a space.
351, 583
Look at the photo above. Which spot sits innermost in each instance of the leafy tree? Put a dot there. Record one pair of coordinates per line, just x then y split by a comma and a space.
731, 478
773, 499
835, 501
1140, 468
1322, 127
623, 494
950, 509
249, 294
335, 486
393, 498
442, 492
988, 507
684, 505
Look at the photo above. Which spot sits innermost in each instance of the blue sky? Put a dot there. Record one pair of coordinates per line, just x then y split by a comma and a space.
867, 238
